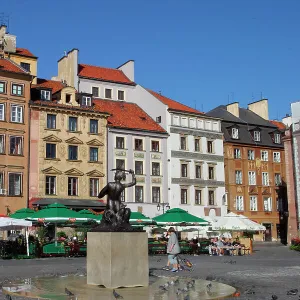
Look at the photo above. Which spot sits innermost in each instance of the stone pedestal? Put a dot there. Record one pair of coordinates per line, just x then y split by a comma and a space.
117, 259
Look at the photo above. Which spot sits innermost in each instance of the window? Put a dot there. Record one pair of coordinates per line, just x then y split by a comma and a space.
108, 93
277, 138
276, 157
25, 66
2, 87
264, 155
73, 152
238, 177
176, 120
265, 178
211, 197
139, 194
210, 147
2, 143
68, 98
50, 185
267, 204
17, 89
138, 144
158, 119
72, 124
51, 121
256, 136
121, 95
183, 143
14, 184
211, 172
197, 145
184, 196
138, 168
50, 150
120, 164
198, 199
156, 169
16, 113
2, 182
235, 133
122, 197
72, 186
198, 171
155, 146
239, 202
237, 153
45, 95
252, 178
251, 155
86, 101
2, 112
93, 154
95, 91
93, 126
94, 187
184, 170
120, 142
277, 179
16, 145
155, 194
253, 203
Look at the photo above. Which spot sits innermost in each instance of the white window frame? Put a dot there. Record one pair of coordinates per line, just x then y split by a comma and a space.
121, 137
140, 163
77, 185
197, 165
159, 194
212, 146
111, 94
239, 203
265, 178
267, 201
22, 144
2, 181
21, 183
185, 148
276, 177
18, 85
55, 184
256, 136
187, 169
4, 87
253, 203
142, 194
251, 154
86, 101
251, 178
2, 139
235, 133
143, 144
197, 198
238, 177
237, 153
159, 170
277, 138
214, 197
197, 139
175, 121
45, 95
157, 141
123, 95
2, 111
214, 172
264, 155
276, 157
95, 192
19, 113
186, 195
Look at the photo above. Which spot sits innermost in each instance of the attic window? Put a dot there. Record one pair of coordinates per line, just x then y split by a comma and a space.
68, 98
86, 101
256, 136
235, 133
45, 95
277, 138
25, 66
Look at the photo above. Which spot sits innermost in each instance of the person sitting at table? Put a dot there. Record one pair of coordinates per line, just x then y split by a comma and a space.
219, 246
212, 247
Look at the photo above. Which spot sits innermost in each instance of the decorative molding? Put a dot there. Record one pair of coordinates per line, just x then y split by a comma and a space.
15, 167
16, 130
139, 155
195, 155
52, 138
62, 150
140, 179
199, 182
74, 172
95, 142
95, 173
156, 180
52, 170
74, 140
198, 133
83, 151
155, 156
120, 153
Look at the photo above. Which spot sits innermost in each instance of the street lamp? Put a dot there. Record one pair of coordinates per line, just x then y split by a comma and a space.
163, 206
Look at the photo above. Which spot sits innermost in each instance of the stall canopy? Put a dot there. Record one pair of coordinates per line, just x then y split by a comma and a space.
234, 222
179, 217
13, 224
85, 213
22, 213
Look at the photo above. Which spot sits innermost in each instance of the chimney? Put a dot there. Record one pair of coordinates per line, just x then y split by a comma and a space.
261, 108
128, 69
233, 108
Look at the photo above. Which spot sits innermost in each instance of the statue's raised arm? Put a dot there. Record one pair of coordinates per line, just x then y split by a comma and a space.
126, 185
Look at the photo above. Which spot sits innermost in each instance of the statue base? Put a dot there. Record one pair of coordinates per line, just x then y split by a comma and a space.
124, 227
117, 259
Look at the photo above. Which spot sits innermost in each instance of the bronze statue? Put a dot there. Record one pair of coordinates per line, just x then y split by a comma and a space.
116, 215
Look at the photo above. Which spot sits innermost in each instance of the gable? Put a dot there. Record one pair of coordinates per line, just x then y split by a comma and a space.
95, 142
52, 138
95, 173
74, 172
74, 140
52, 170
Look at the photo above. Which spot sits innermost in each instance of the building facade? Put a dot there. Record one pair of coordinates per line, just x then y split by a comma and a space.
14, 136
254, 166
68, 139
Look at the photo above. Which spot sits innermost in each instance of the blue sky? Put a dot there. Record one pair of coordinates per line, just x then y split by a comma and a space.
201, 52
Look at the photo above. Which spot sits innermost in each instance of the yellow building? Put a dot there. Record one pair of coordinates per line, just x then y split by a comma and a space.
67, 147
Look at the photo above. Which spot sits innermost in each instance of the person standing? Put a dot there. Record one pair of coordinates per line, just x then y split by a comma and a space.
173, 249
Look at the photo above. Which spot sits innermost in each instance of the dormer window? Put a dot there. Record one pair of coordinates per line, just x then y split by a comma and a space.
277, 138
45, 95
256, 136
235, 133
86, 101
68, 98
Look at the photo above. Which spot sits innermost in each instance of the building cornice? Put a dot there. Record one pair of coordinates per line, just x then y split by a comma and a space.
199, 182
198, 156
197, 132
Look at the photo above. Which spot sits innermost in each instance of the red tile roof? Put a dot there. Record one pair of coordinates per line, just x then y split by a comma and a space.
56, 86
24, 52
105, 74
9, 66
279, 125
127, 115
174, 105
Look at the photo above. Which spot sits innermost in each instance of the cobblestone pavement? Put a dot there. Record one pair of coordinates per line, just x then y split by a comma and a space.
272, 270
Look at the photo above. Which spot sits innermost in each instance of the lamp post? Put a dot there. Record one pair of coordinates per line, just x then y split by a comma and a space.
163, 206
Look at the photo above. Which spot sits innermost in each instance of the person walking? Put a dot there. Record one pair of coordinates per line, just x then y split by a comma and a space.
173, 249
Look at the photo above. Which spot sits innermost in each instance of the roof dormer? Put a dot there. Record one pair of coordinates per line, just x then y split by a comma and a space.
85, 99
68, 96
234, 132
276, 136
256, 134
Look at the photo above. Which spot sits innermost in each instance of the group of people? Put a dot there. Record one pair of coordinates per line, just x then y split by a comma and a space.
218, 246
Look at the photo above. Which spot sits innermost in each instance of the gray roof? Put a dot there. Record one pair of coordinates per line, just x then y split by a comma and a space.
82, 203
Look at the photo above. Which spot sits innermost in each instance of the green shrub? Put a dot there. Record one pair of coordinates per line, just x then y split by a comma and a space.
61, 234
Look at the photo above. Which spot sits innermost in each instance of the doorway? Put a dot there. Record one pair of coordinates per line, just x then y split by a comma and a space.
268, 232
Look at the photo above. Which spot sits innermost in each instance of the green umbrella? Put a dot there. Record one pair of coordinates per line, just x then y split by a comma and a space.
85, 213
137, 218
179, 217
22, 213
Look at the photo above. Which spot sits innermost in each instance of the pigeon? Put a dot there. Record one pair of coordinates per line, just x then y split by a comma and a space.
292, 292
170, 282
178, 292
185, 289
187, 297
191, 283
176, 281
208, 287
68, 292
116, 295
163, 287
274, 297
249, 292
